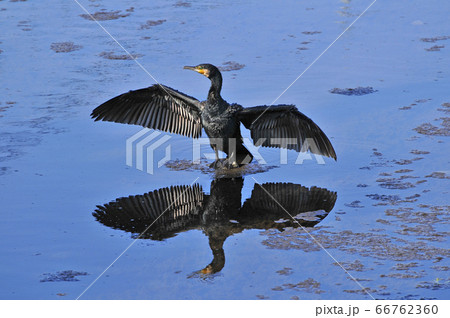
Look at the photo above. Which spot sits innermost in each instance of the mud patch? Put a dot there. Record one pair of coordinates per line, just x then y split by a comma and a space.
182, 4
402, 162
104, 15
435, 39
416, 102
437, 284
405, 267
358, 91
4, 170
65, 47
393, 199
435, 48
419, 152
356, 266
285, 271
25, 25
203, 167
431, 130
124, 57
410, 275
393, 183
403, 171
311, 32
438, 175
309, 285
231, 66
64, 276
360, 291
376, 245
151, 23
262, 297
354, 204
445, 108
3, 109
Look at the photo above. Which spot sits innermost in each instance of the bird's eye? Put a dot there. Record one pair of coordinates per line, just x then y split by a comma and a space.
200, 67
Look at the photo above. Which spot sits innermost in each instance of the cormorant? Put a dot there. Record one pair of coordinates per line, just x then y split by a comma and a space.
163, 108
163, 213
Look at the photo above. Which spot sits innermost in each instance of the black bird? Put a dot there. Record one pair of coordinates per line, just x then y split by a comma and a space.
163, 213
164, 108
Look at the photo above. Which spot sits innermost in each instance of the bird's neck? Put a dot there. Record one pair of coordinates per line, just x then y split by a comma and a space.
216, 87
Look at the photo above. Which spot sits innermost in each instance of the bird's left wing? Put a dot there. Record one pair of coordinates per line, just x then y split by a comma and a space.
283, 126
158, 107
270, 202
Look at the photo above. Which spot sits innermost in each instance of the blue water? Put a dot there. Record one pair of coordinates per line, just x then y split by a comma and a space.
57, 165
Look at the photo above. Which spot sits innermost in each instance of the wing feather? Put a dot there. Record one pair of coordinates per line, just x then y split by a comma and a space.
282, 122
157, 107
167, 210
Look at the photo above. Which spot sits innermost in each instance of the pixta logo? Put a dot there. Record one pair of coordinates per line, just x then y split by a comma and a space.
143, 150
143, 145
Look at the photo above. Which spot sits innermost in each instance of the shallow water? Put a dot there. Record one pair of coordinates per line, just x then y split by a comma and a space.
389, 225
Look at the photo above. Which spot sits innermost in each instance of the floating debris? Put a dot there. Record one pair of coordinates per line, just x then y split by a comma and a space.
431, 130
65, 47
285, 271
150, 23
435, 48
419, 152
402, 162
383, 197
438, 175
445, 109
396, 184
311, 32
435, 39
104, 15
403, 171
112, 56
64, 276
182, 4
354, 204
353, 266
358, 91
231, 66
204, 167
309, 285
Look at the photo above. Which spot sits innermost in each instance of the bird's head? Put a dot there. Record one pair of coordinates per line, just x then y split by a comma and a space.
209, 70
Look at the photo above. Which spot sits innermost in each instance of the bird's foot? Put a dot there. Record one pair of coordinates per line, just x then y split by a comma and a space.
217, 164
223, 164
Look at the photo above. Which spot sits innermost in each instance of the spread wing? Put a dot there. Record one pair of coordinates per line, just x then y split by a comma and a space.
157, 107
283, 126
274, 201
161, 213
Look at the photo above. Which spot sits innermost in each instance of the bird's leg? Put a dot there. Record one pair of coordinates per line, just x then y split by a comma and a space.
217, 154
217, 163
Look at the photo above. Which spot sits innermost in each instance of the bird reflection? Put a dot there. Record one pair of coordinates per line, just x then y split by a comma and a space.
165, 212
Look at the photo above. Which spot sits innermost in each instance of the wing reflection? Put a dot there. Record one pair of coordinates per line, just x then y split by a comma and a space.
163, 213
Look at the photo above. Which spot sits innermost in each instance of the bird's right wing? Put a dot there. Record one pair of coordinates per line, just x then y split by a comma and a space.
157, 215
157, 107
